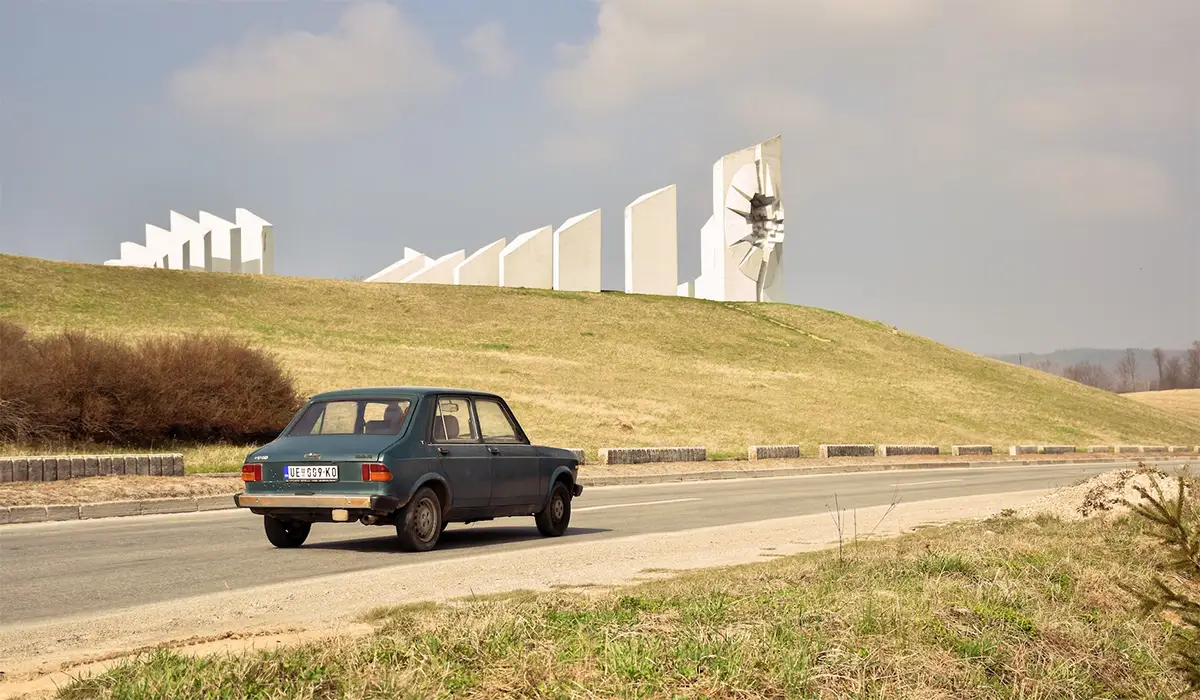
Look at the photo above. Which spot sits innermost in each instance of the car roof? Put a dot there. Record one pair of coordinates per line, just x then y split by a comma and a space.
386, 392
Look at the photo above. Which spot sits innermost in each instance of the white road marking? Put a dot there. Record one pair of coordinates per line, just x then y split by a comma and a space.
630, 505
935, 481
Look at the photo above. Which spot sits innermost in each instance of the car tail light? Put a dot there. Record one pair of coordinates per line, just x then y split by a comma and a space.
376, 472
251, 472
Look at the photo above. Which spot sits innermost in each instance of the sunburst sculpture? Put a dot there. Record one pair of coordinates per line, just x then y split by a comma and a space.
763, 214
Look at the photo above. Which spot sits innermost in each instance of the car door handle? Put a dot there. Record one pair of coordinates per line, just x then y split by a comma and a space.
494, 450
443, 451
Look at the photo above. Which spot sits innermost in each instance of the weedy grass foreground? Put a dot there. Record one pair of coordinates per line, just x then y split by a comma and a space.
999, 609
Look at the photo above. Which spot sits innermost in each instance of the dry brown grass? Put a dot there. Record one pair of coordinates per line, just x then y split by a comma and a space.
1006, 608
597, 370
1184, 403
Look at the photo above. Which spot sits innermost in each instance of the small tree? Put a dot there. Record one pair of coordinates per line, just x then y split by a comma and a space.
1127, 372
1173, 374
1193, 365
1178, 524
1160, 359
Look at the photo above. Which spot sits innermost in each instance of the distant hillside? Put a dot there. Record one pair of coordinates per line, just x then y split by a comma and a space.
609, 369
1182, 402
1107, 359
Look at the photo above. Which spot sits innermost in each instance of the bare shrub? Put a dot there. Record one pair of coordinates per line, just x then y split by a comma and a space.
80, 387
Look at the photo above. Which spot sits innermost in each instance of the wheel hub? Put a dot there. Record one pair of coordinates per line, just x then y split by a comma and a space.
557, 508
423, 520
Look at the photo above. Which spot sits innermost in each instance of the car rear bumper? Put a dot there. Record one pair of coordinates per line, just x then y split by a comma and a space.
273, 501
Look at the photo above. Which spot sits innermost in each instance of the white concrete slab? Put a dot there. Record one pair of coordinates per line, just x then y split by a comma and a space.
528, 261
576, 265
651, 244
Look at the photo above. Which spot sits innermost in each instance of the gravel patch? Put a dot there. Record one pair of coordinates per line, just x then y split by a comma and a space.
1105, 495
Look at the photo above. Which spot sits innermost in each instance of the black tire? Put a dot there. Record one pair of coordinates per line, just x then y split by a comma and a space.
421, 522
552, 521
286, 534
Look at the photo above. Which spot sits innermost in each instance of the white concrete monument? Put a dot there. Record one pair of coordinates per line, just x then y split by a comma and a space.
226, 244
741, 245
652, 244
528, 261
193, 233
481, 267
135, 255
167, 247
211, 244
577, 254
440, 271
258, 242
412, 261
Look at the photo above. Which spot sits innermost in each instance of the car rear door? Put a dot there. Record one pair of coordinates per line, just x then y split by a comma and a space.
465, 460
516, 477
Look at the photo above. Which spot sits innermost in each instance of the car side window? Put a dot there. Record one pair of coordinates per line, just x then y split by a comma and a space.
494, 423
452, 421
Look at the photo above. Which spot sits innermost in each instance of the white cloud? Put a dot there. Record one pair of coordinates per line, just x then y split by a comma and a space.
488, 43
363, 70
940, 87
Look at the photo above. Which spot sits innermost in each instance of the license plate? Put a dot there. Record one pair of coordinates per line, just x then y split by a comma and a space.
311, 472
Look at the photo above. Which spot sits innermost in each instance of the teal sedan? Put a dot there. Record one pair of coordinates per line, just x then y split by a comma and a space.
415, 458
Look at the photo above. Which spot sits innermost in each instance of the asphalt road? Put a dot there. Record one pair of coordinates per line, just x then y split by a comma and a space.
64, 569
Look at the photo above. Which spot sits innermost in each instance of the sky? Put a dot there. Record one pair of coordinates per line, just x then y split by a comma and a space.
999, 176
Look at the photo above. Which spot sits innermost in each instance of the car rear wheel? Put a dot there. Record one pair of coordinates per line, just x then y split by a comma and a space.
286, 533
552, 521
421, 523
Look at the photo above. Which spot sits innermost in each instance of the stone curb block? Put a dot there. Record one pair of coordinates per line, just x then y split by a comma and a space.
1179, 448
6, 470
900, 450
1022, 450
63, 512
1126, 449
1101, 448
827, 451
644, 455
1055, 449
109, 509
206, 503
26, 514
756, 452
3, 516
159, 506
1154, 448
959, 450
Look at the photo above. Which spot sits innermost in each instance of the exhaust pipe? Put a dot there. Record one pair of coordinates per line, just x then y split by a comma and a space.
369, 519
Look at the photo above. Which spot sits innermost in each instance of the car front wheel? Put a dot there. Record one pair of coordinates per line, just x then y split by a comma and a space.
421, 523
285, 533
552, 521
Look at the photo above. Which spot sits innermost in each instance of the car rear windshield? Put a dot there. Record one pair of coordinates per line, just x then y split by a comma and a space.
352, 417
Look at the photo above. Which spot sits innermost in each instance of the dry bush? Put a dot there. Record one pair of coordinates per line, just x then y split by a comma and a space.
79, 387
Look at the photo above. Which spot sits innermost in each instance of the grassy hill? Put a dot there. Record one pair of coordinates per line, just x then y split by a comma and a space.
594, 370
1182, 402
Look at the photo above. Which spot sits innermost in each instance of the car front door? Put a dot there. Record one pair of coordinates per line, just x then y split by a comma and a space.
465, 460
515, 465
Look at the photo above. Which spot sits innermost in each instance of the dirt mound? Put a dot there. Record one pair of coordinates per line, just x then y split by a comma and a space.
1104, 495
